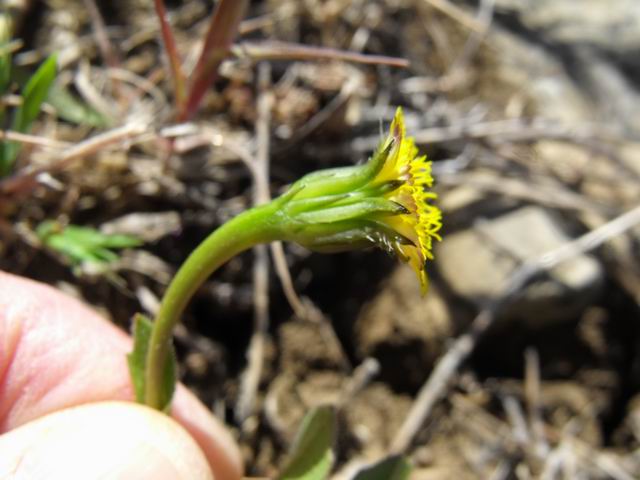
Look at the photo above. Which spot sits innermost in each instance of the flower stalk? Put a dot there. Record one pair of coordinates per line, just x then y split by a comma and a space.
250, 228
384, 203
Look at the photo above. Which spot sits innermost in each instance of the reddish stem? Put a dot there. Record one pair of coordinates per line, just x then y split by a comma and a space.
222, 31
179, 79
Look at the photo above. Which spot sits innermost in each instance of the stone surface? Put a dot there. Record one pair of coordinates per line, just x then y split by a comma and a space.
612, 25
477, 265
550, 91
579, 58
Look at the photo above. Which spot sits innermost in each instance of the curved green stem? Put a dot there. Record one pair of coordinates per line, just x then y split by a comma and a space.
254, 226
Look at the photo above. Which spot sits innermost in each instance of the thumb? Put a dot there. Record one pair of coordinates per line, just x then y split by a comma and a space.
115, 440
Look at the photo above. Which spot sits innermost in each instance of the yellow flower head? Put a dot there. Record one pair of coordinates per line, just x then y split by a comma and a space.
385, 202
421, 223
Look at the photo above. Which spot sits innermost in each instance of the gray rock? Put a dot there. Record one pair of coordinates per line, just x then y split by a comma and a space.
549, 89
611, 25
477, 264
578, 59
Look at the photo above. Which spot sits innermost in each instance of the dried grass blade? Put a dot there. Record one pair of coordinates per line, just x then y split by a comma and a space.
275, 50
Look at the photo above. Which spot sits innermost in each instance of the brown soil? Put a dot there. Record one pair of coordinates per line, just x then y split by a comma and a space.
365, 305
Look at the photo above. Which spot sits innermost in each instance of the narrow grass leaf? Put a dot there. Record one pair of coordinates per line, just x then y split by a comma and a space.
5, 52
222, 31
311, 456
33, 94
137, 361
83, 244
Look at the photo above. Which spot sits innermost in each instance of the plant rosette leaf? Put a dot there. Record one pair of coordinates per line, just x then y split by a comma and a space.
396, 467
83, 244
311, 457
73, 110
387, 202
137, 359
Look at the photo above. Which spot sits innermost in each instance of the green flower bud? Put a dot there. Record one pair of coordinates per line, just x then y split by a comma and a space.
385, 203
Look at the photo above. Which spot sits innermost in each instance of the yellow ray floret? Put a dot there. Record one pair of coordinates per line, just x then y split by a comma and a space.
421, 223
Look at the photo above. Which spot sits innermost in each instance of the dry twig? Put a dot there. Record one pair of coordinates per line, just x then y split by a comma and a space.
437, 384
102, 38
509, 130
260, 172
533, 396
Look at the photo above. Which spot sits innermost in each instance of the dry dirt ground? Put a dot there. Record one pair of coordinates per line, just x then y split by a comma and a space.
516, 364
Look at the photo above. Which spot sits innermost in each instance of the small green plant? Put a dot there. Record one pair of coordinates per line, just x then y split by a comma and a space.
311, 456
386, 203
33, 95
395, 467
34, 90
84, 245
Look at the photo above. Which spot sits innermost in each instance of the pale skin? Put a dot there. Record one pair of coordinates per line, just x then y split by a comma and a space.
66, 401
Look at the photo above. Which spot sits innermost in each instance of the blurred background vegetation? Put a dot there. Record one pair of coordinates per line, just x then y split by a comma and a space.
515, 365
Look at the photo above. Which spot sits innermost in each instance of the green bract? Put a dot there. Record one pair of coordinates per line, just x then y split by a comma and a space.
385, 203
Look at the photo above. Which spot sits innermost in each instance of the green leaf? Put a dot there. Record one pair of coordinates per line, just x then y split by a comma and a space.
5, 52
94, 238
75, 252
396, 467
73, 110
33, 94
311, 457
137, 361
83, 244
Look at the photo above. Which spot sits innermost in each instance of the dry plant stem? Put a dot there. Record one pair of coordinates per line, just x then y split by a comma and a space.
517, 420
437, 384
169, 42
484, 17
282, 270
538, 191
261, 195
100, 32
88, 91
509, 130
27, 139
532, 390
99, 142
26, 179
274, 50
242, 232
